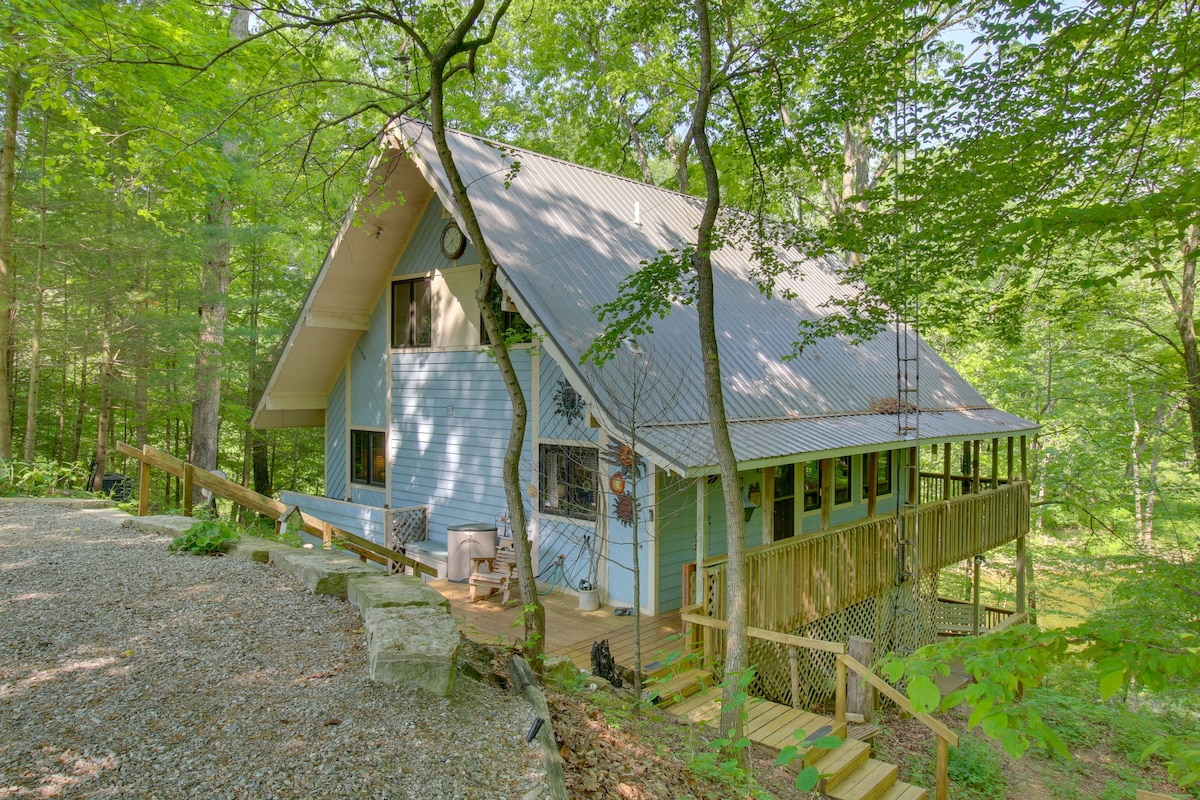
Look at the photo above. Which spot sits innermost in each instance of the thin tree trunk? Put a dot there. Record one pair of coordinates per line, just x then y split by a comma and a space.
214, 290
80, 409
1186, 325
454, 45
732, 713
104, 418
14, 91
35, 336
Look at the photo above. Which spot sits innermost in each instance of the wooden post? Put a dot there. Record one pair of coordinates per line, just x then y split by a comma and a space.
942, 786
326, 536
872, 467
187, 490
794, 667
860, 697
975, 466
1010, 459
995, 463
1021, 575
768, 505
143, 488
975, 598
826, 491
946, 471
839, 703
1024, 458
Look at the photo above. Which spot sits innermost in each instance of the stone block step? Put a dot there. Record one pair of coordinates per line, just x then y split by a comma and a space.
320, 571
392, 591
257, 549
870, 781
412, 646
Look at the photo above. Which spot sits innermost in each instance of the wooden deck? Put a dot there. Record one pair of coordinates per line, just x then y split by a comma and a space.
569, 631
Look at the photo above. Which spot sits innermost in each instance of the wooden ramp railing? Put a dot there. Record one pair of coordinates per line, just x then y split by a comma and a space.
191, 475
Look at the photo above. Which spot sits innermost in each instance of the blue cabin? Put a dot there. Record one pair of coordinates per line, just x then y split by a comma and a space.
856, 492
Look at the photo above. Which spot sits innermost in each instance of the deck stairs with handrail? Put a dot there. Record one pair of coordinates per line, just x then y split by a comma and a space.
847, 773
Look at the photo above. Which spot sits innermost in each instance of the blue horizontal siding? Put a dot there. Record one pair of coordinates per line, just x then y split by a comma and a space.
450, 421
335, 440
369, 372
554, 425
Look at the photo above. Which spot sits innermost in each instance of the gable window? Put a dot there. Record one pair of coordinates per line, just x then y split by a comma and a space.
568, 480
883, 474
841, 479
812, 485
412, 316
784, 521
368, 457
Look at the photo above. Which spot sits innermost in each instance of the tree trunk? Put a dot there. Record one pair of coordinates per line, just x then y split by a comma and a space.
104, 418
1185, 323
35, 336
214, 290
80, 409
14, 91
256, 443
535, 614
732, 713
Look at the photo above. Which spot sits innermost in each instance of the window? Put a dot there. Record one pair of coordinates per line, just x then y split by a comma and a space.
412, 318
812, 485
841, 479
883, 474
785, 502
568, 480
368, 457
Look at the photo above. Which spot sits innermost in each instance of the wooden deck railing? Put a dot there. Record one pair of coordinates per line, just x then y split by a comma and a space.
957, 617
834, 569
191, 475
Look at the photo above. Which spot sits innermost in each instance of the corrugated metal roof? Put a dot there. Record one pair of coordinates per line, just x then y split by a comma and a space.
565, 237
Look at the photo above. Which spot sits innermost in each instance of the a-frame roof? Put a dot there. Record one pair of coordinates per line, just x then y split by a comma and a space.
565, 236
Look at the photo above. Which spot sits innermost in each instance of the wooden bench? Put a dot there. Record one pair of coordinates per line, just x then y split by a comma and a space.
495, 574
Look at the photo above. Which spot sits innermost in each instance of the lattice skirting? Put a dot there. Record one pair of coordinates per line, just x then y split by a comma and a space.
887, 619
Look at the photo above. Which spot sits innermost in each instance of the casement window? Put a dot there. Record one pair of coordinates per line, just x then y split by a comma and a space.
568, 480
841, 479
784, 521
368, 457
883, 475
412, 315
812, 485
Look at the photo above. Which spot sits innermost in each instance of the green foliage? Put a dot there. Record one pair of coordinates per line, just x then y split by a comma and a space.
211, 537
42, 478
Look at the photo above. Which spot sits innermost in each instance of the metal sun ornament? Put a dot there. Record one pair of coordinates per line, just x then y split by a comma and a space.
568, 403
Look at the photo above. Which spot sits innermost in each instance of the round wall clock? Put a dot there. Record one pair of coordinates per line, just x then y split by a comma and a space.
453, 241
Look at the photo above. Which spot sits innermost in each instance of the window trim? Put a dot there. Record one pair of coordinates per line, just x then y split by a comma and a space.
883, 456
817, 494
413, 313
577, 512
373, 479
846, 494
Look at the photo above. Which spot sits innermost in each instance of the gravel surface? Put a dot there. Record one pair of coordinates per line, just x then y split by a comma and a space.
127, 672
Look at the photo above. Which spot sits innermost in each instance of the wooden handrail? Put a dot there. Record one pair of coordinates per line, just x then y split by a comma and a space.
1013, 619
267, 506
946, 738
770, 636
898, 698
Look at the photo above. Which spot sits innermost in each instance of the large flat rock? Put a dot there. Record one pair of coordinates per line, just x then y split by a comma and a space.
365, 592
321, 571
412, 646
169, 524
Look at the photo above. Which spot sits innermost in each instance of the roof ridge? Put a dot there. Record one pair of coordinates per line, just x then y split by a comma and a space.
506, 146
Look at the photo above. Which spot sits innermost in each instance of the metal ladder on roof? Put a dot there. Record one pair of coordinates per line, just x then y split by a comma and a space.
907, 538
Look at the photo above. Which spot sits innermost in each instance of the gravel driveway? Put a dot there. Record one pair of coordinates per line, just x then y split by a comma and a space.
126, 672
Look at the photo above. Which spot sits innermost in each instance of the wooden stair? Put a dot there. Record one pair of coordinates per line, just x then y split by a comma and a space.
847, 772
